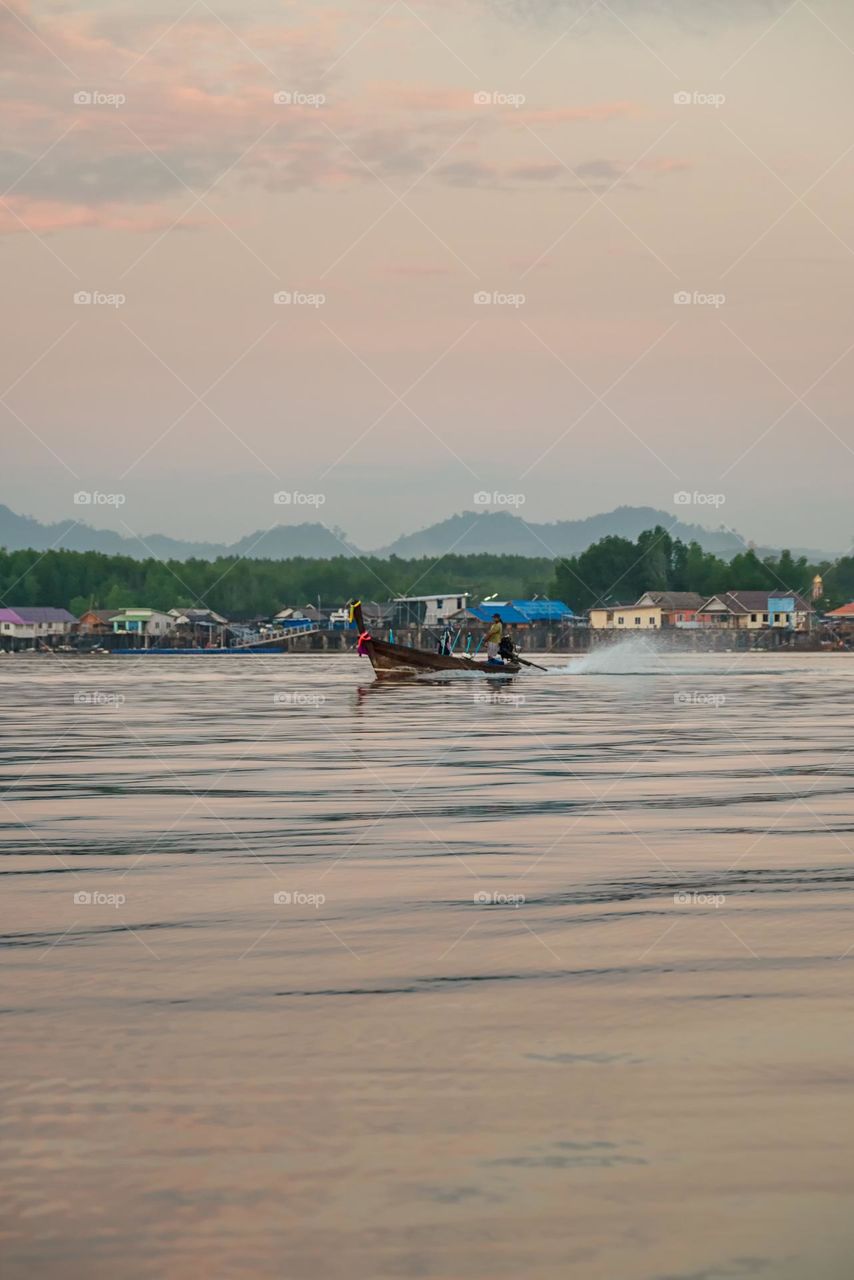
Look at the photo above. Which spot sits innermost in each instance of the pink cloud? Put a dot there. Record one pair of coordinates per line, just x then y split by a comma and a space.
46, 216
199, 105
665, 164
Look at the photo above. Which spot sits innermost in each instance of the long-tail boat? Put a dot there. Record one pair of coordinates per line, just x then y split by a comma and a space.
390, 660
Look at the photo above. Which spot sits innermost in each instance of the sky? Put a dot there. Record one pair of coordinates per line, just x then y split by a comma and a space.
375, 263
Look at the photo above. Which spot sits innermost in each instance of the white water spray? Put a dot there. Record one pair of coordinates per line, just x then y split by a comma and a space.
636, 655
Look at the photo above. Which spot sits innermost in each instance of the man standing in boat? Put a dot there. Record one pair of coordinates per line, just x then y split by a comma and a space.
493, 637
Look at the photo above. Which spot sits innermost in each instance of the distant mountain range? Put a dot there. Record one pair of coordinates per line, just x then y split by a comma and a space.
282, 542
468, 533
502, 532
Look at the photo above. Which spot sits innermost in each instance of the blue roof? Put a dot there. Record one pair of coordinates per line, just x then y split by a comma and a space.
506, 612
543, 610
521, 611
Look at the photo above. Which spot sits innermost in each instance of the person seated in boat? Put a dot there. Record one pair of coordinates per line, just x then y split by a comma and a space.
506, 647
445, 646
493, 638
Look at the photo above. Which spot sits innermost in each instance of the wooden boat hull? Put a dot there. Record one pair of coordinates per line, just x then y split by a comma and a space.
396, 660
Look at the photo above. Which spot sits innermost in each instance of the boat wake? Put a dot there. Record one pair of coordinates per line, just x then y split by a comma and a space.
635, 656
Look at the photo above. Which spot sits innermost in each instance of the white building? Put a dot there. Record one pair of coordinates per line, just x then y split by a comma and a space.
428, 611
142, 622
33, 624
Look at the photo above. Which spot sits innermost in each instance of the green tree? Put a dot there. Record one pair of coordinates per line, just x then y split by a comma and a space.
119, 597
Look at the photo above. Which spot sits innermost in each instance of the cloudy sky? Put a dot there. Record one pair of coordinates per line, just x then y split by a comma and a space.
585, 167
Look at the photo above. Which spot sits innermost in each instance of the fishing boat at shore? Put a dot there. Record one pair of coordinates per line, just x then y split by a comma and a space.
396, 660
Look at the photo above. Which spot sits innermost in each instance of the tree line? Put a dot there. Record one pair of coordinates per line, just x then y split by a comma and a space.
617, 570
249, 588
613, 570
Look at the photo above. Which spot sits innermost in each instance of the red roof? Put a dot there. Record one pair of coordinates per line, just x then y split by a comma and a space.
845, 611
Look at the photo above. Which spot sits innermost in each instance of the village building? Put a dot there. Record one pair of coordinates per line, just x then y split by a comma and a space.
29, 626
840, 623
146, 623
658, 609
189, 617
755, 610
619, 617
427, 611
674, 608
302, 613
96, 622
199, 628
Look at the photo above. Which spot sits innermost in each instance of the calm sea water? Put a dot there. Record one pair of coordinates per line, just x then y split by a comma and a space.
312, 978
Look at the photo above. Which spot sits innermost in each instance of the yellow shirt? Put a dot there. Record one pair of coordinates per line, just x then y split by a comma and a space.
493, 635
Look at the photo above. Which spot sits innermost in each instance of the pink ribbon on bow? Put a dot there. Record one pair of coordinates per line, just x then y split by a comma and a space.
360, 643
